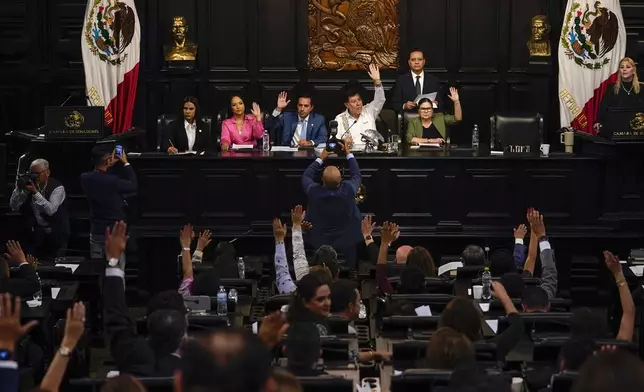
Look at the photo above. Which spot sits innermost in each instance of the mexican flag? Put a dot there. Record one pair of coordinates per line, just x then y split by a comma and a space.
593, 41
111, 47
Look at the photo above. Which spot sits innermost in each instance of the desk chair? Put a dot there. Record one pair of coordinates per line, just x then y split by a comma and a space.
325, 384
516, 129
541, 325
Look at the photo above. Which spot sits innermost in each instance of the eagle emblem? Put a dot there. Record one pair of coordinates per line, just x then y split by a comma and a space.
588, 35
637, 123
75, 120
109, 30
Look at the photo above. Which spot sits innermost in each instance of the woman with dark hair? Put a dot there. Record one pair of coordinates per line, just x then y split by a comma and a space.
430, 127
462, 315
241, 128
189, 133
311, 302
419, 257
611, 370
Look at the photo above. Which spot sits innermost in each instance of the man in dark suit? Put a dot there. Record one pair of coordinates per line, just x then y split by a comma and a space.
332, 206
158, 354
188, 134
300, 129
414, 83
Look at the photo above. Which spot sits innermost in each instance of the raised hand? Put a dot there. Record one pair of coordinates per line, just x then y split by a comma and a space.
204, 240
115, 240
279, 230
307, 226
388, 232
367, 226
453, 94
32, 260
74, 325
10, 328
536, 223
257, 112
374, 72
612, 262
186, 235
297, 215
14, 252
282, 102
498, 290
520, 232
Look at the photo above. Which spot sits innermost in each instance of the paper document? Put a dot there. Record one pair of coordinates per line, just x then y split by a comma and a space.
637, 270
449, 267
242, 147
484, 306
435, 145
73, 267
430, 96
423, 311
54, 292
493, 324
283, 149
186, 153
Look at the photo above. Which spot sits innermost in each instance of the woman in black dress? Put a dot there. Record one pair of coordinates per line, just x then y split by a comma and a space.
624, 93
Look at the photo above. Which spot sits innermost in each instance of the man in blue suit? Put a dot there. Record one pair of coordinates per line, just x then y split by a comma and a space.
332, 206
300, 129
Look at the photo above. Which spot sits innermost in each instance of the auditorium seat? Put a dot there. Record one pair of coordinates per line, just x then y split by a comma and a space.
508, 128
164, 120
325, 384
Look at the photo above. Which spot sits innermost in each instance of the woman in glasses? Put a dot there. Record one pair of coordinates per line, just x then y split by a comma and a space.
430, 127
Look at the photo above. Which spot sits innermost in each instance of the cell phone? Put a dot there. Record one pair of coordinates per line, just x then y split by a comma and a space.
118, 151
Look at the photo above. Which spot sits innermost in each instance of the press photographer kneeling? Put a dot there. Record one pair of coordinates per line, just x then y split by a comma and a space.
41, 199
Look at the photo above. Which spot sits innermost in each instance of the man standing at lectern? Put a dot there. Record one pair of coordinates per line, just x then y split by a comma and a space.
332, 206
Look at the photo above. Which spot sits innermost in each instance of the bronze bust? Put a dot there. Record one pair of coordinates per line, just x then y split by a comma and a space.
539, 43
181, 49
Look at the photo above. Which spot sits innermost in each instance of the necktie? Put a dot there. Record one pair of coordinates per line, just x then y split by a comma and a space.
297, 133
418, 88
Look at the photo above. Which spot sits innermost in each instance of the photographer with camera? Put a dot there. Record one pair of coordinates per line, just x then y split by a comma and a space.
332, 208
41, 199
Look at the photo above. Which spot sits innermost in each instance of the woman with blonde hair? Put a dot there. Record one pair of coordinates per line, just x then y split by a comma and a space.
624, 93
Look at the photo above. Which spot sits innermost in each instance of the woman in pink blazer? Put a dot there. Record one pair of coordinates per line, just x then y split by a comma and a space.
241, 128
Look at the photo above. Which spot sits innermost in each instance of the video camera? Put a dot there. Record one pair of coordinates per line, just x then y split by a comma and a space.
332, 143
26, 179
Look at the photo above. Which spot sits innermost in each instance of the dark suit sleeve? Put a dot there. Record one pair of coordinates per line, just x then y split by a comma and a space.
372, 250
275, 126
396, 101
509, 338
129, 183
9, 376
605, 103
321, 135
356, 179
308, 178
24, 283
171, 135
119, 327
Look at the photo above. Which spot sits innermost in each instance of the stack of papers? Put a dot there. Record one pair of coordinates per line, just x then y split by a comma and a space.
448, 267
284, 149
435, 145
423, 311
242, 146
431, 96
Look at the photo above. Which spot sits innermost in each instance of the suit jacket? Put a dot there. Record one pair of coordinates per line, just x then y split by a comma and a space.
132, 354
177, 133
23, 281
441, 122
405, 90
10, 376
283, 127
334, 214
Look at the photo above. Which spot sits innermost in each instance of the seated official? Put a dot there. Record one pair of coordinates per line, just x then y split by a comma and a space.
42, 199
414, 83
624, 93
241, 128
431, 127
300, 129
358, 118
188, 134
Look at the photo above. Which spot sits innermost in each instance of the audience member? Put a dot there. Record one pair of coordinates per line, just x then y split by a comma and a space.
502, 262
105, 188
449, 349
345, 300
373, 249
42, 201
207, 283
615, 370
303, 349
419, 257
535, 300
11, 330
332, 206
412, 280
473, 255
311, 302
23, 282
189, 133
241, 128
462, 316
416, 82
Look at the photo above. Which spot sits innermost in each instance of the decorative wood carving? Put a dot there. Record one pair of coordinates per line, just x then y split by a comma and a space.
349, 34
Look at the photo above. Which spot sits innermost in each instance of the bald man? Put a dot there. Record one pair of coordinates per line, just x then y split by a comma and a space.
332, 207
401, 254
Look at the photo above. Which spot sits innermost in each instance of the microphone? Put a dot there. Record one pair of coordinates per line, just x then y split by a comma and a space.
72, 94
347, 131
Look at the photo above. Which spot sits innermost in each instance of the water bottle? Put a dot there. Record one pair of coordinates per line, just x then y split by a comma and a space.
232, 295
486, 280
38, 294
475, 138
222, 302
363, 311
266, 141
241, 268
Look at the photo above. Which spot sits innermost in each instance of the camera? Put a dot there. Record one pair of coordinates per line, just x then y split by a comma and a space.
26, 179
333, 144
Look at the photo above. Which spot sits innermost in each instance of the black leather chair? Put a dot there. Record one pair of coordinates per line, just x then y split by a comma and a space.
524, 129
164, 120
325, 384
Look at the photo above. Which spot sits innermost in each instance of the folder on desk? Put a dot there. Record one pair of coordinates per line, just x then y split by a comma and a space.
242, 147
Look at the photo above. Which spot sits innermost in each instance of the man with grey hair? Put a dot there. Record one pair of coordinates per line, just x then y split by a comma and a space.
41, 199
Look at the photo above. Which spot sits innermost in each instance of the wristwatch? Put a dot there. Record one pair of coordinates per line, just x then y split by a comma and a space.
6, 355
368, 238
64, 351
543, 238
